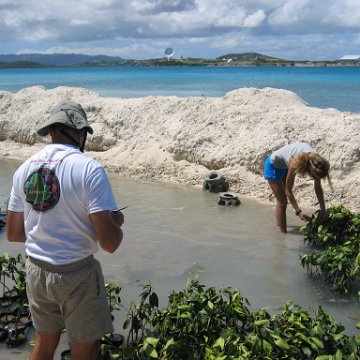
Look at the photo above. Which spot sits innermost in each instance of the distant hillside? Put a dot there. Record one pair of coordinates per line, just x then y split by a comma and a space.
81, 60
251, 56
20, 64
60, 59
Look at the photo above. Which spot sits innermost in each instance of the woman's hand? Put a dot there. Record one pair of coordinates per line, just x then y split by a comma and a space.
321, 215
304, 217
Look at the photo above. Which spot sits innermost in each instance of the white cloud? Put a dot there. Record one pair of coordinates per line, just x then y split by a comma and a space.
131, 25
345, 14
160, 6
290, 12
232, 19
255, 19
79, 22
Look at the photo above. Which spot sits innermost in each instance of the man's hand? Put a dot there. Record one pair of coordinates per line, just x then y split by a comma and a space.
118, 217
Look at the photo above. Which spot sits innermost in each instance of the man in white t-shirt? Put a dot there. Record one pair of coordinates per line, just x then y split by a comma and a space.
62, 207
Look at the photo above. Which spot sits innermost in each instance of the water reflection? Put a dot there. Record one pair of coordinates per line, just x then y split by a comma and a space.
170, 230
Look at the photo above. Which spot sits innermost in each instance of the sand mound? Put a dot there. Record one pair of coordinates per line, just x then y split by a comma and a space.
180, 140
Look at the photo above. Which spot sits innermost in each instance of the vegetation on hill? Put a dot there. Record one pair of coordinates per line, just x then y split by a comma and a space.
20, 64
251, 56
59, 59
233, 59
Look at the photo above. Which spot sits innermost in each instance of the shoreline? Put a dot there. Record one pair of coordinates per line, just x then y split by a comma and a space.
181, 140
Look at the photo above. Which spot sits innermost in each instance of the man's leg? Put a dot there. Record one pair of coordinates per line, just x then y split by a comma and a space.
45, 346
85, 351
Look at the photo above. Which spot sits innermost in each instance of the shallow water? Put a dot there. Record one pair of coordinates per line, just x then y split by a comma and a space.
171, 230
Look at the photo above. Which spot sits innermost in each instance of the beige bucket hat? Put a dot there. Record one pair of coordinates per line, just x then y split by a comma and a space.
69, 113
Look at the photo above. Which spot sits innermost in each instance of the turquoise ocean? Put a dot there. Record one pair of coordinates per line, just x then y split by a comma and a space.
322, 87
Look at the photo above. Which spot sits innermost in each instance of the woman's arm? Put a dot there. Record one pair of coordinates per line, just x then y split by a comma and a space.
290, 179
320, 195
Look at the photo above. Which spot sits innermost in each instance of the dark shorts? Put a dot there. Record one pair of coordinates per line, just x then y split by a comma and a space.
271, 173
70, 297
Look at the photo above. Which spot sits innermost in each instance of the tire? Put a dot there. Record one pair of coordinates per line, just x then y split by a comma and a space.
226, 198
215, 182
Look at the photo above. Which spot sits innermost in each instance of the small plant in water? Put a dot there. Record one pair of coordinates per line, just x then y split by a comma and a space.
113, 294
206, 323
335, 241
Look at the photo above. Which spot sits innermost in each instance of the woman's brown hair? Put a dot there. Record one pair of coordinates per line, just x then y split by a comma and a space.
312, 164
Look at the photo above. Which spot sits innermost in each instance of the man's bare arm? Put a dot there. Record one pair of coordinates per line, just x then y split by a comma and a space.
15, 226
108, 230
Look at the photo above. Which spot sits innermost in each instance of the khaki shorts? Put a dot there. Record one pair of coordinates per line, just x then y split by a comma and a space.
69, 296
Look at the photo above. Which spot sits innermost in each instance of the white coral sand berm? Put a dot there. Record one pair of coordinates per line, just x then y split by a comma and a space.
181, 139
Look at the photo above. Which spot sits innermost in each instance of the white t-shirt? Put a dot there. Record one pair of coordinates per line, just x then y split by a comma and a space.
57, 189
280, 158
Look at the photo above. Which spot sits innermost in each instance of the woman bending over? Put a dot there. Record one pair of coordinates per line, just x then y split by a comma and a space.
280, 170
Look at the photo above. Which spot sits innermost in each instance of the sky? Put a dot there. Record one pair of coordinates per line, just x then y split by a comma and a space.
143, 29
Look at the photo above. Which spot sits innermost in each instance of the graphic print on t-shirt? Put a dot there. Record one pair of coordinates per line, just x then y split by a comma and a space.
42, 189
